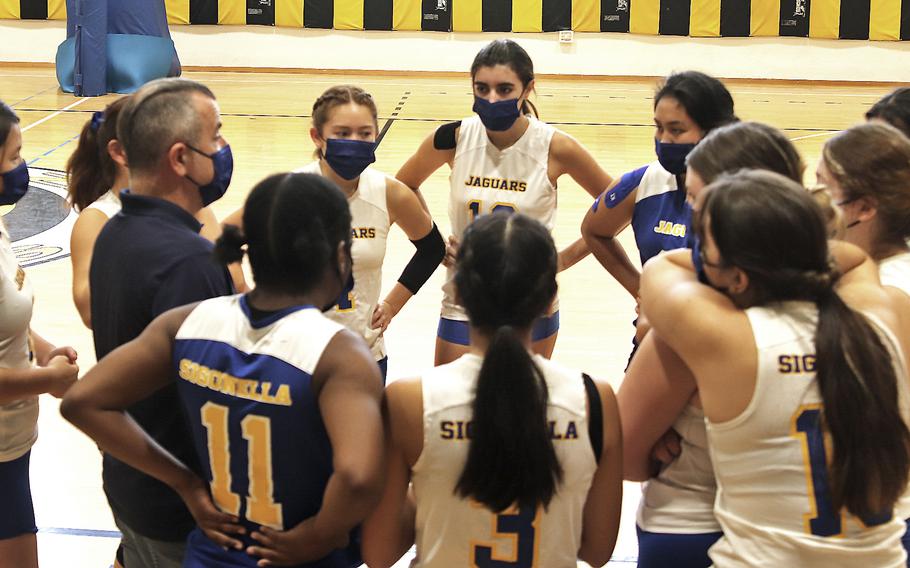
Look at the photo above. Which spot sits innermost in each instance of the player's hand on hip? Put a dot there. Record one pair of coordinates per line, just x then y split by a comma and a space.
216, 524
382, 316
451, 252
297, 545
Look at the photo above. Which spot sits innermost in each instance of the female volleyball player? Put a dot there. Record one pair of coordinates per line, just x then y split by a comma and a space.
283, 403
502, 159
675, 521
29, 366
344, 131
784, 364
96, 172
510, 454
866, 170
687, 106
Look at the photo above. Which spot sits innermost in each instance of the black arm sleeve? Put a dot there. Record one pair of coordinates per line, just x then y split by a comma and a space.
430, 251
444, 139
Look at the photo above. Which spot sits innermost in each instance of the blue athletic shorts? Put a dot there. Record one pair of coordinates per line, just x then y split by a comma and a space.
665, 550
18, 516
456, 331
383, 367
905, 540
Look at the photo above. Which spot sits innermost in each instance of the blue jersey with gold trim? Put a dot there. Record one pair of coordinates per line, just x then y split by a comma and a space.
246, 388
661, 219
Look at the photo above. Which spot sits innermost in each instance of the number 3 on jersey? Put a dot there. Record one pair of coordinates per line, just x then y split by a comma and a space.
822, 519
261, 507
476, 205
519, 523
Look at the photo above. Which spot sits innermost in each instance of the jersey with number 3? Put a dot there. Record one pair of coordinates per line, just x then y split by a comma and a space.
485, 179
246, 387
452, 531
774, 499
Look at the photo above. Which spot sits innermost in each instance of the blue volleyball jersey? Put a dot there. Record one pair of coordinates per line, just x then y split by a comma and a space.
662, 220
246, 387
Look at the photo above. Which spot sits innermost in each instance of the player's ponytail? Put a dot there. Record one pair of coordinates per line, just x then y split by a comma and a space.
785, 256
506, 278
871, 443
90, 170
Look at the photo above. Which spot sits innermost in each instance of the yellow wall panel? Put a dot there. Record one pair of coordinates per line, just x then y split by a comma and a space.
56, 9
824, 19
178, 11
765, 17
467, 16
348, 15
9, 9
289, 13
527, 15
232, 12
586, 15
704, 18
644, 16
405, 14
885, 20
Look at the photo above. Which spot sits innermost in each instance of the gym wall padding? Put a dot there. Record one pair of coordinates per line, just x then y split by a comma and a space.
836, 19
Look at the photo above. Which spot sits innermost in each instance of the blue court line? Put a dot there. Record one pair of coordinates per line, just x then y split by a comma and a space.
52, 150
79, 532
33, 96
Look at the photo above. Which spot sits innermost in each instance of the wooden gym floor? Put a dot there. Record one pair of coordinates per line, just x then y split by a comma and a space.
266, 121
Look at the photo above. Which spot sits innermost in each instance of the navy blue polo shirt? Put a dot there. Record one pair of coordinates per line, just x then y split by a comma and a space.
148, 259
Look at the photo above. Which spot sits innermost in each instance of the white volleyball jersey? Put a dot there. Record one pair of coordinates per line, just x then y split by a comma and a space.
452, 531
108, 204
895, 271
771, 461
681, 498
485, 178
370, 230
19, 418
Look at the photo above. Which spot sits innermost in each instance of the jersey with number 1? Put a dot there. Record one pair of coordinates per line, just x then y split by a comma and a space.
485, 179
452, 531
246, 387
773, 498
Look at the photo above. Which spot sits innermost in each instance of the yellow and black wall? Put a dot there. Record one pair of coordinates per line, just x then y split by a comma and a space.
844, 19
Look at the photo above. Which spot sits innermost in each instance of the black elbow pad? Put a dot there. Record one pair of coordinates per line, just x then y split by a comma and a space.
430, 251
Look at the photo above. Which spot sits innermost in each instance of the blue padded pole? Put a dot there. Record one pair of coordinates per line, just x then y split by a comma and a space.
90, 27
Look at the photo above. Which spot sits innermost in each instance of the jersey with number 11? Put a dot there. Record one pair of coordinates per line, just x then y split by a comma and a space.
246, 387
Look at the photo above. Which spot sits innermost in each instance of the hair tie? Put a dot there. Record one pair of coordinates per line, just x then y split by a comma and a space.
97, 120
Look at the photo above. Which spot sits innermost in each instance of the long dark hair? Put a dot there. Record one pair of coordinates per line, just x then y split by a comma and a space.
293, 224
745, 145
8, 118
893, 108
90, 170
507, 52
706, 100
785, 255
506, 278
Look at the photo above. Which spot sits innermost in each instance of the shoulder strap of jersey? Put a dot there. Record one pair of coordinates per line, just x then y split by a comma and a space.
595, 416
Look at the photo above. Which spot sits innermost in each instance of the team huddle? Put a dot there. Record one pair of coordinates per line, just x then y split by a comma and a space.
765, 404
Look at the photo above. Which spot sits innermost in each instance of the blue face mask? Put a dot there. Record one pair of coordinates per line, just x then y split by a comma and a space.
223, 165
697, 263
672, 157
497, 116
15, 184
349, 157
